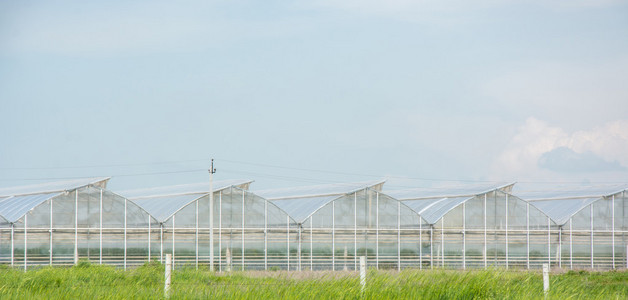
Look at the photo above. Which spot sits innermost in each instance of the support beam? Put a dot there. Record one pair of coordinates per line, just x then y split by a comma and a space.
485, 217
125, 232
25, 241
613, 229
591, 223
51, 226
76, 255
507, 248
376, 231
464, 235
528, 235
265, 234
333, 235
219, 231
100, 229
398, 235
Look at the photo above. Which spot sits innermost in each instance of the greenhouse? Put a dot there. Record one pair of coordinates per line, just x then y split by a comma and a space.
478, 226
227, 226
248, 232
337, 223
60, 223
592, 225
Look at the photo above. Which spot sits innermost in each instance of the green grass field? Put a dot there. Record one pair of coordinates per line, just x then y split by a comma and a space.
102, 282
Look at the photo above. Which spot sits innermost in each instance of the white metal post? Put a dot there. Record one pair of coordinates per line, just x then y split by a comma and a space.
173, 241
265, 234
333, 235
507, 231
51, 226
211, 216
168, 274
376, 231
312, 245
485, 217
549, 242
398, 235
420, 243
464, 236
545, 278
528, 235
613, 228
355, 230
431, 246
299, 249
12, 244
345, 260
161, 242
591, 219
219, 231
288, 240
363, 272
76, 255
228, 259
25, 240
125, 232
570, 244
100, 229
442, 242
559, 251
196, 236
242, 250
149, 233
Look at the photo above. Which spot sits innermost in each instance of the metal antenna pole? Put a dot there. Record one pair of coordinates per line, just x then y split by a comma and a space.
211, 216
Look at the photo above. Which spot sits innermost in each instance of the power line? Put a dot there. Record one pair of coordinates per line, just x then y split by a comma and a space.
104, 166
115, 175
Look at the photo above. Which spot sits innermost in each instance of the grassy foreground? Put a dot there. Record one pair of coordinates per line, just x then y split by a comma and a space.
103, 282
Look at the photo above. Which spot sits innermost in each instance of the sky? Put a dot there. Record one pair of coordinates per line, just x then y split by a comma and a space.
288, 93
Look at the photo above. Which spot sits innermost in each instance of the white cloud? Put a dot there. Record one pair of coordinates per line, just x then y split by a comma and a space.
536, 138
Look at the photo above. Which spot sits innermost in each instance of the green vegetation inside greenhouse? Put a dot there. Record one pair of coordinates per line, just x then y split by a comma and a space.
147, 282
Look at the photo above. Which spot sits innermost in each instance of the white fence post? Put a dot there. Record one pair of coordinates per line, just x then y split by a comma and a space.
168, 274
545, 278
363, 272
345, 259
228, 258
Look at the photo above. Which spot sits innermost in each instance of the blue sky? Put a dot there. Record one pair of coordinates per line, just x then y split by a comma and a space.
300, 92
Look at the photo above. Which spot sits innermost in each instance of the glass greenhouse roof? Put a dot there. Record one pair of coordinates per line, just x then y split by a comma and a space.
572, 192
434, 209
561, 210
562, 203
300, 209
319, 190
181, 189
433, 203
301, 202
18, 201
59, 186
452, 191
163, 202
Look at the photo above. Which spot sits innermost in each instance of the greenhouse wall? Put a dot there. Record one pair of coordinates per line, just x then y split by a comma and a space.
249, 233
493, 230
363, 223
596, 236
87, 223
319, 231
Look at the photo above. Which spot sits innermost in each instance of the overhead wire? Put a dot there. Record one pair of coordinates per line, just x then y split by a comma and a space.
268, 175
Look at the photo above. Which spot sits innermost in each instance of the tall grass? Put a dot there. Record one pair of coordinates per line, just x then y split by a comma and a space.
146, 282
